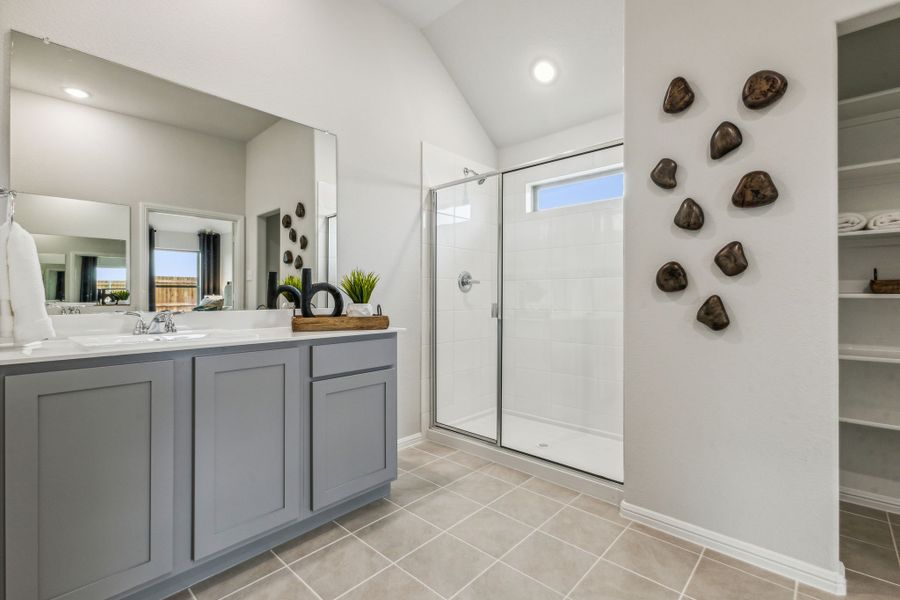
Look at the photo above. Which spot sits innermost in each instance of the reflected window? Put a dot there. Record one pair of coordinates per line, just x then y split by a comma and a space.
177, 279
582, 189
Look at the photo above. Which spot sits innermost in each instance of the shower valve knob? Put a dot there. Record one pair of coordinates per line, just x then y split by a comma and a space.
465, 281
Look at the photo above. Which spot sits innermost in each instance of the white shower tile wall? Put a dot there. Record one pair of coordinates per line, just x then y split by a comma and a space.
562, 318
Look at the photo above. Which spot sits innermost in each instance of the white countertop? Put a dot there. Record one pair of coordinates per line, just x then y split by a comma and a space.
64, 348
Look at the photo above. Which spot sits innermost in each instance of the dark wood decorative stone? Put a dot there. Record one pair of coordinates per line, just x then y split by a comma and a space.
725, 138
292, 235
298, 262
663, 174
286, 221
679, 96
731, 259
764, 88
300, 211
287, 257
671, 277
689, 215
756, 188
303, 242
713, 315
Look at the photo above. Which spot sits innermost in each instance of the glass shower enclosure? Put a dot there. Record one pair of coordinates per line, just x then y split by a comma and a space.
527, 309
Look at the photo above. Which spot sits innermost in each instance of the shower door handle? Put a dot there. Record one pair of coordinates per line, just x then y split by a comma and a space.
495, 310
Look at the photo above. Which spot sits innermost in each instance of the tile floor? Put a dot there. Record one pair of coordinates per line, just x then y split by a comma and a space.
459, 527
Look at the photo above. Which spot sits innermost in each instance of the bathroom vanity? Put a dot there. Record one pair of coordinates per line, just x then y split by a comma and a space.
133, 470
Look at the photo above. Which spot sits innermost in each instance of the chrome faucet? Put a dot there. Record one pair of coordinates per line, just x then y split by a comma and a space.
140, 328
163, 322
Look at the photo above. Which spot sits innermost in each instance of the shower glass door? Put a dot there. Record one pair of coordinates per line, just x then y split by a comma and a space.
465, 287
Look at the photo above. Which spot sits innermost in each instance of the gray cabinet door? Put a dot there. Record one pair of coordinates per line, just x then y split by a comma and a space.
89, 478
354, 435
247, 466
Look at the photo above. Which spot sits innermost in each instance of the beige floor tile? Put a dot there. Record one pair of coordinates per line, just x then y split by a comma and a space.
182, 595
864, 511
664, 563
433, 448
412, 458
442, 472
550, 561
281, 585
446, 564
526, 507
236, 577
361, 517
337, 568
480, 487
551, 490
662, 535
748, 568
409, 488
870, 560
868, 530
607, 581
491, 532
505, 473
309, 542
600, 508
500, 582
714, 581
444, 508
397, 534
469, 460
859, 587
582, 529
391, 584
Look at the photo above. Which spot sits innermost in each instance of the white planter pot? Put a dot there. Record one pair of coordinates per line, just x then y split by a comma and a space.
360, 310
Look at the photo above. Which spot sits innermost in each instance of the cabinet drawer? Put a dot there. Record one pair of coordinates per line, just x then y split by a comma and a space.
332, 359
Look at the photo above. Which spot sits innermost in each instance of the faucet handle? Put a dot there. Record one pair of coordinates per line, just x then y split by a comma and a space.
140, 327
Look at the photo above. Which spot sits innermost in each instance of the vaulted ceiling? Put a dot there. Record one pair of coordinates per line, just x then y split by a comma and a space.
490, 46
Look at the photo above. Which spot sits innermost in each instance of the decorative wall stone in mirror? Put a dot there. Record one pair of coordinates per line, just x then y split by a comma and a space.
689, 215
287, 257
679, 96
725, 138
756, 188
303, 242
763, 88
286, 221
671, 277
300, 211
663, 174
713, 314
292, 235
731, 259
298, 262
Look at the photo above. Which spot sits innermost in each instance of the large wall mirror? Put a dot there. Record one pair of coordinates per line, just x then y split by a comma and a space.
145, 193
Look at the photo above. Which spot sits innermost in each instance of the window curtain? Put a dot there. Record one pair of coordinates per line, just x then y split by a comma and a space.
60, 285
88, 291
151, 270
210, 272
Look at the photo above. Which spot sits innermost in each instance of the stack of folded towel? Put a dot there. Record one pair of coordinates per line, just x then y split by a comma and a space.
855, 222
23, 314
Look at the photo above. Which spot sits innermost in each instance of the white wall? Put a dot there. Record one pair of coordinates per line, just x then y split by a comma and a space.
737, 431
350, 67
604, 129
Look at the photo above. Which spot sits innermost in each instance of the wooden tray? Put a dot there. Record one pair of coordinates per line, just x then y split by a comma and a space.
339, 323
884, 286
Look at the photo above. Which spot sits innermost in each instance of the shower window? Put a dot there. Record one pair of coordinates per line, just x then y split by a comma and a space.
579, 189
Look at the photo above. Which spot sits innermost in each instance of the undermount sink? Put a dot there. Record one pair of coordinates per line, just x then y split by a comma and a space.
119, 339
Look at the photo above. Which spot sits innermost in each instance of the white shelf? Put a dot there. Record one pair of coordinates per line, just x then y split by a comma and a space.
869, 104
869, 296
882, 354
870, 233
879, 419
862, 172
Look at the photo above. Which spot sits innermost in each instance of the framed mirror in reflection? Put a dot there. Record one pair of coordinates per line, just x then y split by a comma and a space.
197, 186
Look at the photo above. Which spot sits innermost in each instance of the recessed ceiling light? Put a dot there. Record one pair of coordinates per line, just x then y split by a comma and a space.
544, 71
76, 92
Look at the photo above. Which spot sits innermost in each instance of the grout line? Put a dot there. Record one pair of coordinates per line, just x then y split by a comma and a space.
691, 576
707, 557
394, 563
871, 518
191, 592
294, 573
796, 590
594, 565
870, 576
868, 543
254, 582
894, 538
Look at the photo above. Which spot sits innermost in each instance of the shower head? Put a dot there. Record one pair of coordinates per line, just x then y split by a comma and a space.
467, 172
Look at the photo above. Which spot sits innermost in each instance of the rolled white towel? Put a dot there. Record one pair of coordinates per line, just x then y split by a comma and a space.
851, 222
886, 220
22, 287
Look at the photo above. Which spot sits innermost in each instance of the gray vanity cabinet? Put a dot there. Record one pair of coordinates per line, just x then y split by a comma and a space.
354, 434
247, 451
89, 480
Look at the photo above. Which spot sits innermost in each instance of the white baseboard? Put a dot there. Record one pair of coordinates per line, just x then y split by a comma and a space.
833, 582
870, 500
410, 440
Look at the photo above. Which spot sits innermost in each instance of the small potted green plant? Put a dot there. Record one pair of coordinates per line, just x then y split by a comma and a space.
120, 295
359, 285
